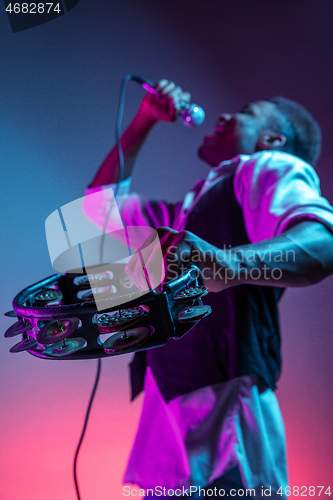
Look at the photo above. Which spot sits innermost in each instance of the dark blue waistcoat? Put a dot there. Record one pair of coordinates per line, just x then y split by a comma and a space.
241, 335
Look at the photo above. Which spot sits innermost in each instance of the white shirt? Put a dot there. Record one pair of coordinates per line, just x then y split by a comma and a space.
195, 438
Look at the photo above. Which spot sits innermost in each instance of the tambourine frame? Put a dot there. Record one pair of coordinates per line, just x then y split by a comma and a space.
163, 313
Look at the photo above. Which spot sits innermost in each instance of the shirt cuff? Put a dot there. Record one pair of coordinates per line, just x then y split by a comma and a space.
317, 214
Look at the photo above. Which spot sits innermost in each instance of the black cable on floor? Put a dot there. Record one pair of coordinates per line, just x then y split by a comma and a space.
99, 364
120, 177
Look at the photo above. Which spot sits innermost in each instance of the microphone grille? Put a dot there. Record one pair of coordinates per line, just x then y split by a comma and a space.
193, 116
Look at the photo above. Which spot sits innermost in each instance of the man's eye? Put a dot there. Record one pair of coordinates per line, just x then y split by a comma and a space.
246, 111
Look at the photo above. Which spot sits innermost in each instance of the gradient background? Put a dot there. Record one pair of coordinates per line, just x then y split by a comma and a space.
59, 97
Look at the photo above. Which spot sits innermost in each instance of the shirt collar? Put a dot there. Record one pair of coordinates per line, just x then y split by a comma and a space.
227, 166
224, 168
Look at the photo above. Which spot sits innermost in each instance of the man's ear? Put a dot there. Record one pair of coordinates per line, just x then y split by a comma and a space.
270, 140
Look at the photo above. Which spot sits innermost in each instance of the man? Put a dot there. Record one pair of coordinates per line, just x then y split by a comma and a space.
256, 225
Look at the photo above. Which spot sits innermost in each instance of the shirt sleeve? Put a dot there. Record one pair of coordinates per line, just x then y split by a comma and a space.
275, 189
134, 209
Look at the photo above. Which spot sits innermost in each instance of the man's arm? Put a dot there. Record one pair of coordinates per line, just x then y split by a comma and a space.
301, 256
163, 106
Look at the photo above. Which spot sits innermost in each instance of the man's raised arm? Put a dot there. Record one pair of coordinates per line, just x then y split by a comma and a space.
162, 106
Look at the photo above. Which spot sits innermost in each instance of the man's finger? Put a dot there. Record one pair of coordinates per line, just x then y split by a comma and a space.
161, 84
168, 88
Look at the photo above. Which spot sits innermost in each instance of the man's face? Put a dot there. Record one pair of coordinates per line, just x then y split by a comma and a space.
237, 133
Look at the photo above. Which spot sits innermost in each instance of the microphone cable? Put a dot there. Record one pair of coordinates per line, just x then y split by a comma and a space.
98, 373
121, 158
120, 178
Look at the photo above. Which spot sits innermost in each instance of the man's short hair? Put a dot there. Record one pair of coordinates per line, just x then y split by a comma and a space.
300, 128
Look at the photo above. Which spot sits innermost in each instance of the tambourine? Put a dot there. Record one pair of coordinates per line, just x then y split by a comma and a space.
77, 316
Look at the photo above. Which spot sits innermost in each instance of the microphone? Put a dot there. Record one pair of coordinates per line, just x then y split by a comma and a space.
191, 115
